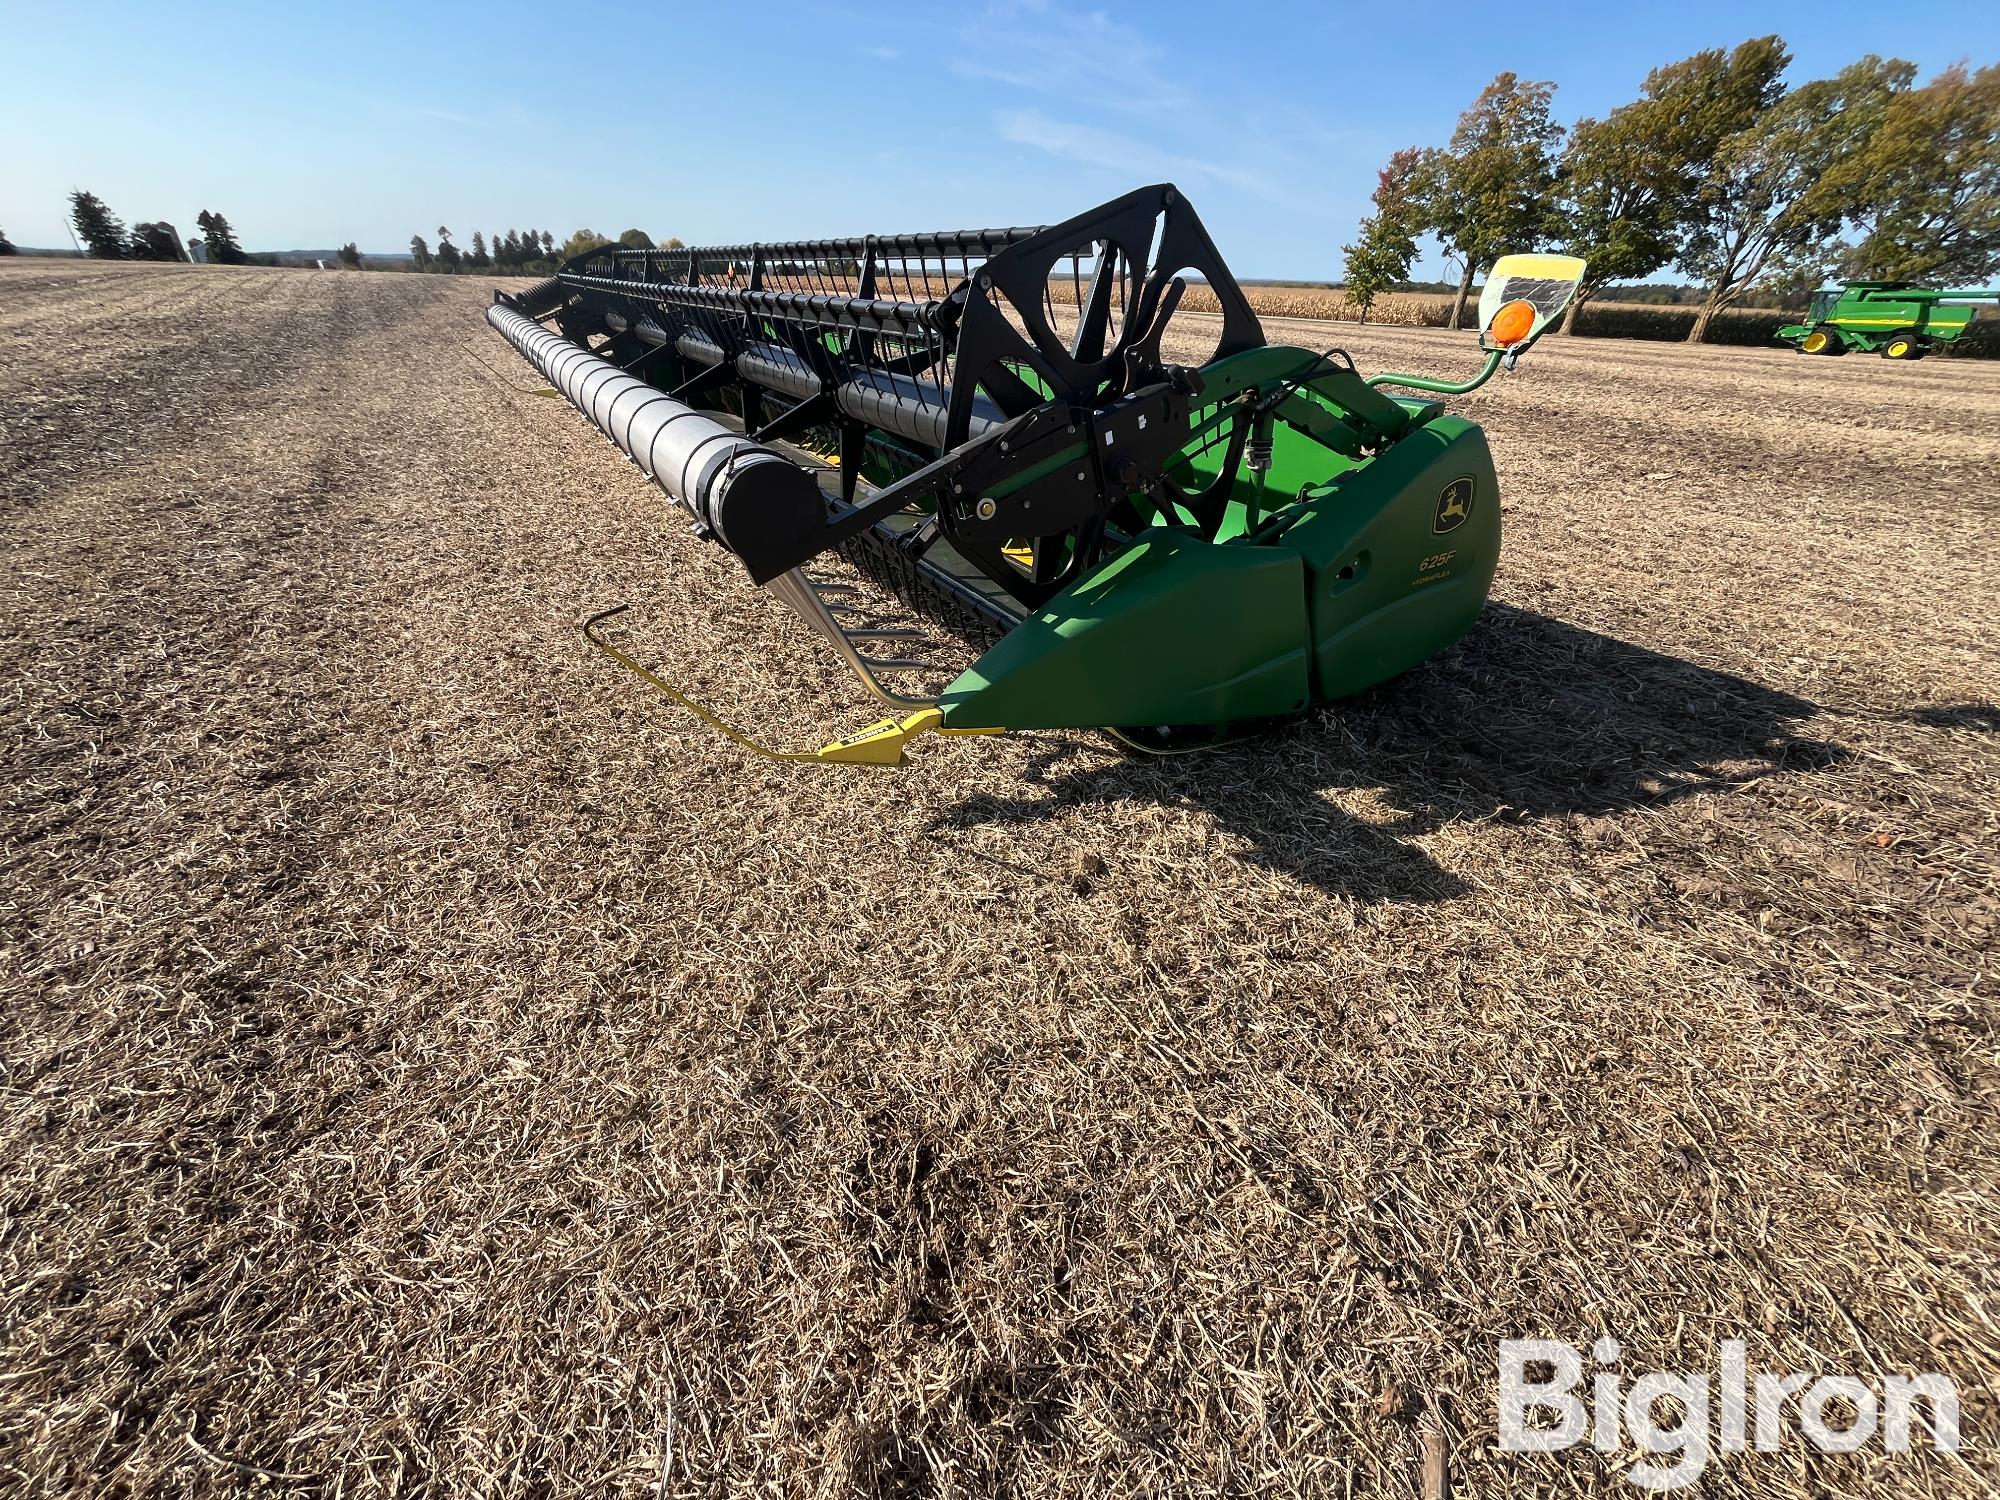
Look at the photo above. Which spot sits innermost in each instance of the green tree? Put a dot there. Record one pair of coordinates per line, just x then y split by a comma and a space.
7, 245
1627, 183
349, 255
1929, 183
98, 227
1380, 256
220, 239
478, 259
420, 253
636, 239
1492, 190
548, 243
1774, 202
582, 240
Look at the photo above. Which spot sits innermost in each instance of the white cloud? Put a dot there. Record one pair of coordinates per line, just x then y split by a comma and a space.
1083, 57
1122, 154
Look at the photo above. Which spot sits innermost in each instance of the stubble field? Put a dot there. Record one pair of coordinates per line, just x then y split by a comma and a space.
433, 1065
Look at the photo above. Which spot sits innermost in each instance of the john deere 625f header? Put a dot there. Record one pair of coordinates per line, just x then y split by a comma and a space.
988, 422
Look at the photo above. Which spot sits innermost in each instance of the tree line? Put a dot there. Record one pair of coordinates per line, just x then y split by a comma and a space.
531, 252
1749, 186
104, 236
517, 252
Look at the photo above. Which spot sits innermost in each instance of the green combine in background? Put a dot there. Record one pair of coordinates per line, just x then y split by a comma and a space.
1891, 318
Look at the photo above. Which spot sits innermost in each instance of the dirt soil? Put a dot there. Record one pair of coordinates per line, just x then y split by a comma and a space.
435, 1064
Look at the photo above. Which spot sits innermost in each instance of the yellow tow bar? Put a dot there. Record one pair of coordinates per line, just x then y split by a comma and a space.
880, 744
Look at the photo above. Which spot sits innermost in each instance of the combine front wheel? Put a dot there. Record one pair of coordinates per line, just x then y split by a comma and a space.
1822, 340
1904, 343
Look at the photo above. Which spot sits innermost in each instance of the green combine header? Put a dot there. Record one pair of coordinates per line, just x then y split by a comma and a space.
1891, 318
1179, 538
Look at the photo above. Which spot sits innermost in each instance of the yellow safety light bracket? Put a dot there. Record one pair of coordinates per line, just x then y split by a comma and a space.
880, 744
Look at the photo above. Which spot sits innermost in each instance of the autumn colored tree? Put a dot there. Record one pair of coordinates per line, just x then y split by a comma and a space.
1627, 183
1381, 254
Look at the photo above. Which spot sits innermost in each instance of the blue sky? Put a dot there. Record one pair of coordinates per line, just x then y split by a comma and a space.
312, 124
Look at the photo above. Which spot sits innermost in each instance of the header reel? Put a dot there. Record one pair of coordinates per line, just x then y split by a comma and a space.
991, 421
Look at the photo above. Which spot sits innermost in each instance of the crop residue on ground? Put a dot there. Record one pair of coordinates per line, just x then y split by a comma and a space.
431, 1060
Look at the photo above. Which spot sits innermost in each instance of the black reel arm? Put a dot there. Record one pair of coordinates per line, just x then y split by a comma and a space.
1054, 472
1044, 423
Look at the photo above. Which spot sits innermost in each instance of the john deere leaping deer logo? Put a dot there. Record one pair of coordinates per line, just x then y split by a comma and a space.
1454, 506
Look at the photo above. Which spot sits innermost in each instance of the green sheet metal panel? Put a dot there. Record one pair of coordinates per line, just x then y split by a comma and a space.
1400, 553
1174, 630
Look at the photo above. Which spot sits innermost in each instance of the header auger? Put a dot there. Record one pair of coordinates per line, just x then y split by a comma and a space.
994, 424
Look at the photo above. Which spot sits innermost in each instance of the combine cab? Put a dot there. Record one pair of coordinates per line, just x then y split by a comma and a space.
1889, 318
1158, 523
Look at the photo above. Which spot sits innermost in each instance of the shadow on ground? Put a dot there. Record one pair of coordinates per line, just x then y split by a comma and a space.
1527, 718
1980, 716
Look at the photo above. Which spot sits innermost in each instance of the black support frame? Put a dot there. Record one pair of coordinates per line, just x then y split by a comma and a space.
947, 342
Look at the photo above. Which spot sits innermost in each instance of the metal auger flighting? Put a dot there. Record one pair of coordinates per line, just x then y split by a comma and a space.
996, 425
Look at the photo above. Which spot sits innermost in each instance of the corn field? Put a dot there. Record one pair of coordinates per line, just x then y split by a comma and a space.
1609, 320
